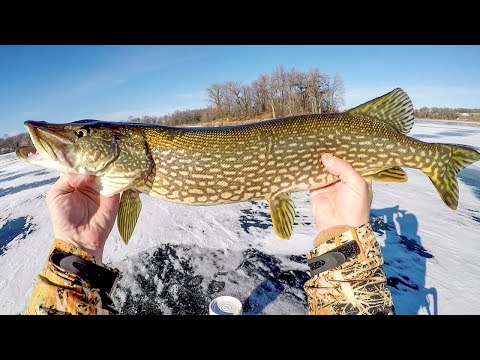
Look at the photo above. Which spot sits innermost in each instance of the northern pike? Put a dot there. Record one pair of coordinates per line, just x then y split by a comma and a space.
265, 160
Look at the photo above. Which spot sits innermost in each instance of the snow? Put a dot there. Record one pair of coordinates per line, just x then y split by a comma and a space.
181, 257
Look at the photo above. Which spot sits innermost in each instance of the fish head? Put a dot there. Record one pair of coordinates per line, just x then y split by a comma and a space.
87, 147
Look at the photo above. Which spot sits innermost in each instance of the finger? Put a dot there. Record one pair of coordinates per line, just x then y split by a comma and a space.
341, 168
78, 181
325, 189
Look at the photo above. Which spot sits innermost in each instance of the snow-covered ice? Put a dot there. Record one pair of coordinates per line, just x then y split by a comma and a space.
181, 257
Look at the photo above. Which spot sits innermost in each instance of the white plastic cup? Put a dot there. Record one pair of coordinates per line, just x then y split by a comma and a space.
225, 305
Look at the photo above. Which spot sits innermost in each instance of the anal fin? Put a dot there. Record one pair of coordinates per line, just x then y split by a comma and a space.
282, 211
128, 212
394, 174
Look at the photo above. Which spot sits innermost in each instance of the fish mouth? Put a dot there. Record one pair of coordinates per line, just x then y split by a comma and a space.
49, 141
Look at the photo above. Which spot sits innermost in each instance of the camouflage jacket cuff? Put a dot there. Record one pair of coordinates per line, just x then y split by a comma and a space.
97, 275
70, 248
337, 236
59, 291
358, 285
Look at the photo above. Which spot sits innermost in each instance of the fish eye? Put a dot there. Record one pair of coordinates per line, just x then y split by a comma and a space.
84, 131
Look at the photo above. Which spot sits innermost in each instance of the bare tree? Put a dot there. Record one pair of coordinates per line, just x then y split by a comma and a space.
216, 94
260, 92
335, 94
235, 97
294, 78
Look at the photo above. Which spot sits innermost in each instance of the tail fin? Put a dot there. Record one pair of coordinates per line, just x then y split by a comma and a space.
451, 160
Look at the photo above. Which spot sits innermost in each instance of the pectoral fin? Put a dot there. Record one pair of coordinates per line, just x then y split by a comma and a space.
282, 211
128, 212
394, 174
110, 185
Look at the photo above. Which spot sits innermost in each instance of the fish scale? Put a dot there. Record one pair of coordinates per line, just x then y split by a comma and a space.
244, 163
266, 160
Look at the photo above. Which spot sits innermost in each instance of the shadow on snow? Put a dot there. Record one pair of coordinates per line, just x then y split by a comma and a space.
15, 189
405, 260
12, 229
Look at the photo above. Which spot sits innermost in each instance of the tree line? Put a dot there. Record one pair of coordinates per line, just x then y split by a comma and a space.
446, 113
10, 143
280, 93
283, 92
178, 117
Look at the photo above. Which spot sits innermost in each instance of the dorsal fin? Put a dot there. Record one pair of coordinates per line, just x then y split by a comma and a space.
394, 108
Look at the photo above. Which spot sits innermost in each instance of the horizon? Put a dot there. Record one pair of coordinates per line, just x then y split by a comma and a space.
67, 83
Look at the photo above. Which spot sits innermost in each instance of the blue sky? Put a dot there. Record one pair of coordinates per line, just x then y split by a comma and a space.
68, 83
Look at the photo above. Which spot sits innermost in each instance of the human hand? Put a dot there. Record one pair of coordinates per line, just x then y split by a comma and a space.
79, 214
345, 202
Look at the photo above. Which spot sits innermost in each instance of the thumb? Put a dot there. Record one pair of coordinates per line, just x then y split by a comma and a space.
340, 168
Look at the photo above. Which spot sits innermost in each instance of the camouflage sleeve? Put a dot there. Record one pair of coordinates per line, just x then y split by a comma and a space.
60, 292
358, 286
